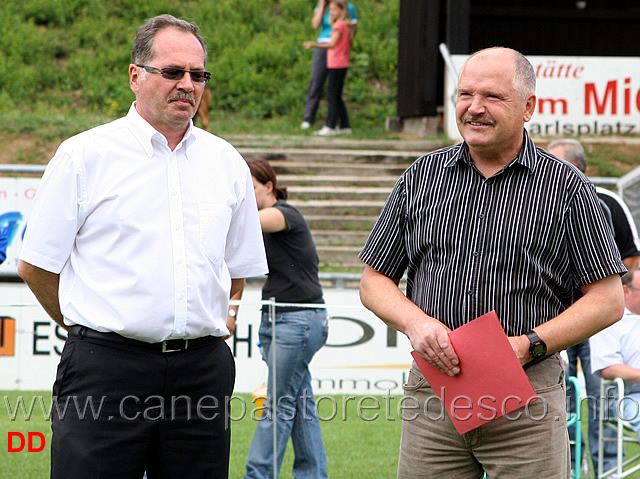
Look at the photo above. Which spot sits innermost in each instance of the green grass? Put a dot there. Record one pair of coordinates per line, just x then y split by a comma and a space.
611, 160
631, 449
361, 436
23, 465
74, 54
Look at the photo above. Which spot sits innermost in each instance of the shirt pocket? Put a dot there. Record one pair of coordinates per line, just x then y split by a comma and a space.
215, 220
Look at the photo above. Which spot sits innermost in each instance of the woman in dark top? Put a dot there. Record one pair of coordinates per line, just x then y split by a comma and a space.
300, 332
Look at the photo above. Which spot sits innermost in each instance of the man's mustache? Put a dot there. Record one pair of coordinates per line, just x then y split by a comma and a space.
183, 96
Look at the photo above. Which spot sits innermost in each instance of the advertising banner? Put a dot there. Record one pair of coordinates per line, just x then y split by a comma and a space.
16, 199
577, 96
362, 354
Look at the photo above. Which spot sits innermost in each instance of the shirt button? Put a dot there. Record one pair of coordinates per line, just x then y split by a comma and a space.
469, 292
475, 253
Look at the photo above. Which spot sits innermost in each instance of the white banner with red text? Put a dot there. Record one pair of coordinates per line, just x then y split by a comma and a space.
577, 96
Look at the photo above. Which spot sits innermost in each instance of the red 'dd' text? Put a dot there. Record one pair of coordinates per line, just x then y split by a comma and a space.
34, 441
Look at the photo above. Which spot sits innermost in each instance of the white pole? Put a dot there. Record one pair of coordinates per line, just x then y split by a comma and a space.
272, 317
446, 56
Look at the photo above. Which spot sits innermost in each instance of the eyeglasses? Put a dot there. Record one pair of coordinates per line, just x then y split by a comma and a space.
174, 74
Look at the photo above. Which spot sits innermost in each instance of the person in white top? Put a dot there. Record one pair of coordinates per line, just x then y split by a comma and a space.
615, 351
625, 235
141, 231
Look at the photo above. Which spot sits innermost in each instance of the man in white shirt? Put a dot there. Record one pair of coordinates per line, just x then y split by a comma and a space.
141, 230
615, 351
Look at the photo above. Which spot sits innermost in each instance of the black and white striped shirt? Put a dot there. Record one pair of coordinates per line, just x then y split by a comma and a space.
517, 242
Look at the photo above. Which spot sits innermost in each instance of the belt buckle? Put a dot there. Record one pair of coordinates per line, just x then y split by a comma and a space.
165, 350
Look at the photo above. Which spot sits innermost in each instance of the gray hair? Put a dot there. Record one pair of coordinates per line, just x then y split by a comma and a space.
142, 50
524, 79
627, 278
573, 152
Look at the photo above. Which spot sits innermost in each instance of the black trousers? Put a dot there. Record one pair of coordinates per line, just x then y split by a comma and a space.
337, 114
120, 409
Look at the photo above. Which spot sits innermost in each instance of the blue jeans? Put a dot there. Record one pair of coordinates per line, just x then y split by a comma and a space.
592, 383
299, 335
631, 411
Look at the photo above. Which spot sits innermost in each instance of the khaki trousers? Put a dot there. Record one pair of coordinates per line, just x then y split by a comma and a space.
531, 442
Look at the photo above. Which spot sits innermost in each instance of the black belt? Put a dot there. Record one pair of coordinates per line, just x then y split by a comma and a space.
169, 346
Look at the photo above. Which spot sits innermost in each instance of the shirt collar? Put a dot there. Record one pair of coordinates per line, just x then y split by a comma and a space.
147, 135
526, 157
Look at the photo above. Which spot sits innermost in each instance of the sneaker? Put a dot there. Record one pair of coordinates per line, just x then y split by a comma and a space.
326, 131
344, 131
305, 125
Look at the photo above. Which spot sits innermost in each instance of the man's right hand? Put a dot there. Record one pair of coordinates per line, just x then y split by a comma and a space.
430, 339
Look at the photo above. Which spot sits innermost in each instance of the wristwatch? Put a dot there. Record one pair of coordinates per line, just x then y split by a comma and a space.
232, 313
537, 347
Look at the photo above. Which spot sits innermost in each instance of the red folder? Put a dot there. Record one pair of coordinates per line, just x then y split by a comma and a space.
491, 382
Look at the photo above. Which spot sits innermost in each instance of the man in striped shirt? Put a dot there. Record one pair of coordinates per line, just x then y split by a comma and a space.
493, 223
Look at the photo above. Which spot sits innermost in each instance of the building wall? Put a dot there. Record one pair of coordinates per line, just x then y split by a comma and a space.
544, 27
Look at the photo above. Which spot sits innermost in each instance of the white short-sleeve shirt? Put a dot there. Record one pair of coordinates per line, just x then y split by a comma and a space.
145, 239
617, 344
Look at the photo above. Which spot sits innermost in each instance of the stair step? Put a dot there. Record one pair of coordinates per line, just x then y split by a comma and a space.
341, 222
339, 254
339, 185
322, 166
340, 238
244, 141
333, 155
339, 189
335, 193
342, 180
337, 169
336, 203
337, 208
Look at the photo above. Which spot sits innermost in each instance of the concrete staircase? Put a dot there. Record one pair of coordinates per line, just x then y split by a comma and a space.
339, 186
